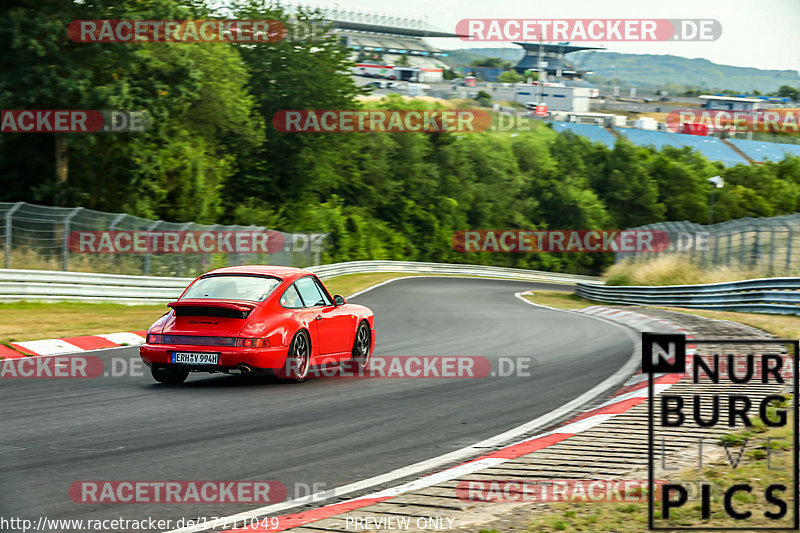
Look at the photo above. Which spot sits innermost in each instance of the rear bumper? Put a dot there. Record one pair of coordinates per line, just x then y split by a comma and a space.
271, 358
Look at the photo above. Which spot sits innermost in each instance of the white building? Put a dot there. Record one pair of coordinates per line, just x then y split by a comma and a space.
646, 123
557, 97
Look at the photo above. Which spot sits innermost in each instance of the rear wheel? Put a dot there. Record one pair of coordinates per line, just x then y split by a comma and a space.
361, 346
298, 359
169, 376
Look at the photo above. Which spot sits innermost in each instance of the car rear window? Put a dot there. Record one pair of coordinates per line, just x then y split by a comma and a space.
249, 288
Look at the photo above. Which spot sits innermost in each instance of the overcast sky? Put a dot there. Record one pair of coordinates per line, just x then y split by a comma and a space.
763, 34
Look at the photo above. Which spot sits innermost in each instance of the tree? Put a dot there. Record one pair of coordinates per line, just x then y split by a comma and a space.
483, 98
196, 95
449, 74
510, 76
788, 91
295, 74
627, 189
491, 62
680, 175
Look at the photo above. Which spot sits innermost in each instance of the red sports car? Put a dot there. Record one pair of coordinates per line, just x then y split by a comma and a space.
257, 319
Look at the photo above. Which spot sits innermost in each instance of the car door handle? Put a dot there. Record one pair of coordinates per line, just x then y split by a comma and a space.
319, 317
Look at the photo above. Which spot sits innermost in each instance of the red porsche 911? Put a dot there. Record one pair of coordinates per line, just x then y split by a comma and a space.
257, 319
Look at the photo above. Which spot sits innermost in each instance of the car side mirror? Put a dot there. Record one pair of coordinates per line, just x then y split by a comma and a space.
339, 300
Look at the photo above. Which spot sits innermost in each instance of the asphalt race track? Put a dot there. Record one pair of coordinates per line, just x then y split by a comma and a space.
54, 432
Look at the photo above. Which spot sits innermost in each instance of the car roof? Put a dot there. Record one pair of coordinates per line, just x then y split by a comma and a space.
283, 272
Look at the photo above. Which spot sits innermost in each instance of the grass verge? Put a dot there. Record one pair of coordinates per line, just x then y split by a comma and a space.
559, 299
27, 321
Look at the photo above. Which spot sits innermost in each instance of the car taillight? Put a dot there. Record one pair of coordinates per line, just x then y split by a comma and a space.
252, 343
154, 339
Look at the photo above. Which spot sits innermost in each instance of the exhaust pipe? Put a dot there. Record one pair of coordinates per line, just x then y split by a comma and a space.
242, 368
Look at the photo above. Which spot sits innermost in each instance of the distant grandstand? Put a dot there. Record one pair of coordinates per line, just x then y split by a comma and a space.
380, 42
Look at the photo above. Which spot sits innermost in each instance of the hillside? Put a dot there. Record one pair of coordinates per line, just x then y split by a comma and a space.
650, 70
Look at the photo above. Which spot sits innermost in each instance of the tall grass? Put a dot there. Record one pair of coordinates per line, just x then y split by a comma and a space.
189, 265
673, 270
28, 259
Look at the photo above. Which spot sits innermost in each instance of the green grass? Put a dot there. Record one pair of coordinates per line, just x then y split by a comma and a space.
25, 321
559, 299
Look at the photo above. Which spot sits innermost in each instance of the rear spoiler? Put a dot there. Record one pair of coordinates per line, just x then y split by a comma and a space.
220, 308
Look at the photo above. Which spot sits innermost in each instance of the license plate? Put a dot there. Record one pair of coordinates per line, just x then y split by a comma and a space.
192, 358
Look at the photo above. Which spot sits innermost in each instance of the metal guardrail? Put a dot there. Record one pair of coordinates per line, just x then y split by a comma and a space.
53, 285
363, 267
767, 295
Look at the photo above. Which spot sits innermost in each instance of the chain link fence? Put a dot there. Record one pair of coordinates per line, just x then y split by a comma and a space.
767, 246
44, 238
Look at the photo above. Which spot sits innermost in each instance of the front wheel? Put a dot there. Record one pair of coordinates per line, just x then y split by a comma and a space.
361, 344
298, 359
169, 376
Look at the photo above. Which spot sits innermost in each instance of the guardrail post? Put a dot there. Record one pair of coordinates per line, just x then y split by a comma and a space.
771, 270
207, 256
318, 251
729, 251
10, 212
179, 259
146, 267
65, 244
113, 227
789, 245
715, 257
742, 248
756, 253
